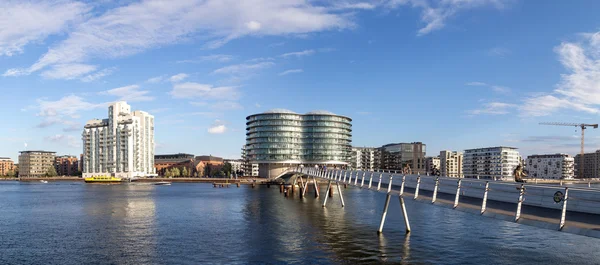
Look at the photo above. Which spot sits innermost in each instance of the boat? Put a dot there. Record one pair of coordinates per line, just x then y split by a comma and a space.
43, 181
162, 183
103, 179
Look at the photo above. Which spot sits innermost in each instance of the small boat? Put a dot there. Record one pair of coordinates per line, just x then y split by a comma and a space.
103, 180
162, 183
43, 181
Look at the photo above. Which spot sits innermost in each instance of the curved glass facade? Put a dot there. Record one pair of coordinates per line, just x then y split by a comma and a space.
281, 136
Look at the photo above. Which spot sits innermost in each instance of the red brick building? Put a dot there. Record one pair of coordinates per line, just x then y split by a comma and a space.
66, 165
6, 166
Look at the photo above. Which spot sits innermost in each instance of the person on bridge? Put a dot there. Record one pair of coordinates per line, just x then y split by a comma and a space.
519, 174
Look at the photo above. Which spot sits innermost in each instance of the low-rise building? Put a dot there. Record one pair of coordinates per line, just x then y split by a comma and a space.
432, 164
555, 166
35, 164
363, 158
451, 164
237, 166
408, 157
66, 165
491, 162
7, 166
206, 165
162, 163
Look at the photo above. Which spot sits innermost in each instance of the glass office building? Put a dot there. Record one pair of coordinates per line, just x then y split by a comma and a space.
279, 139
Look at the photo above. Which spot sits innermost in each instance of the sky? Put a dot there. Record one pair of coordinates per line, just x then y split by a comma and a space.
453, 74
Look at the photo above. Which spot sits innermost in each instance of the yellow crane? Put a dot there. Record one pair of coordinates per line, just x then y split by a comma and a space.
583, 126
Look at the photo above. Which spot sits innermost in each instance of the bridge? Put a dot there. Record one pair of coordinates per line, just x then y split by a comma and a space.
569, 209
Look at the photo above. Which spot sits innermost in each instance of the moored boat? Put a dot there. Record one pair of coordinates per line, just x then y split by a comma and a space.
103, 179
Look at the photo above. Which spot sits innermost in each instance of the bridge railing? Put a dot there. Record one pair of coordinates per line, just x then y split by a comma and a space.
584, 200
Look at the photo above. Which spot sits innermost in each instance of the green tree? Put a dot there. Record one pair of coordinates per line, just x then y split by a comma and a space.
10, 174
207, 170
176, 172
51, 172
227, 169
185, 172
168, 173
217, 172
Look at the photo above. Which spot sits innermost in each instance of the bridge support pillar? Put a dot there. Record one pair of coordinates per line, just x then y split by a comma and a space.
316, 187
564, 209
485, 193
435, 189
404, 213
457, 193
520, 202
417, 187
384, 214
402, 186
340, 193
328, 192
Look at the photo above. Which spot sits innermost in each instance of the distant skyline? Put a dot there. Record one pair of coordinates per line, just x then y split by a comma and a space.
453, 74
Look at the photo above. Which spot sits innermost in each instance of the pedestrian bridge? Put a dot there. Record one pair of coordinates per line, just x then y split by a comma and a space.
569, 209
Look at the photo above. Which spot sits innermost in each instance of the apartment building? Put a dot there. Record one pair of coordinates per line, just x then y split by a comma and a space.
363, 158
35, 164
432, 165
591, 165
120, 146
6, 166
491, 162
66, 165
451, 164
169, 161
237, 165
403, 156
554, 166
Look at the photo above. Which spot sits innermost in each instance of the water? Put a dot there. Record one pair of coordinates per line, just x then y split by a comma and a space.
75, 223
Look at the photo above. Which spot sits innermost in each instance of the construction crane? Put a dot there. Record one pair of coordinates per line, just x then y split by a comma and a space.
583, 126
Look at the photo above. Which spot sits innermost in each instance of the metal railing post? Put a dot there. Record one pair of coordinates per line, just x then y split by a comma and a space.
390, 184
362, 182
356, 179
435, 189
457, 193
485, 195
563, 216
371, 180
404, 213
417, 188
383, 215
520, 202
345, 175
379, 183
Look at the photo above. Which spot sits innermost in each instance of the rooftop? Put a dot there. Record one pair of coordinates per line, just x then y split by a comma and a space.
37, 151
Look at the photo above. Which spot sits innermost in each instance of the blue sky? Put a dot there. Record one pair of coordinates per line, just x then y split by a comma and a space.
454, 74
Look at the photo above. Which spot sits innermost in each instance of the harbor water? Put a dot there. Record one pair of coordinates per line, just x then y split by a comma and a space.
188, 223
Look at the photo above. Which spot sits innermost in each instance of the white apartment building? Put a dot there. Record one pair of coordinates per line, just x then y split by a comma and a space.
363, 158
491, 162
431, 163
236, 164
555, 166
451, 164
120, 146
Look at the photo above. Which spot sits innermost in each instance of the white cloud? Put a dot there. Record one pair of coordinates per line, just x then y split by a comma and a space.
131, 93
276, 44
156, 79
226, 105
360, 5
70, 140
98, 75
499, 52
292, 71
435, 13
68, 71
140, 26
178, 77
298, 54
257, 105
579, 89
24, 22
221, 58
68, 106
218, 127
199, 103
261, 59
495, 88
204, 91
242, 68
493, 108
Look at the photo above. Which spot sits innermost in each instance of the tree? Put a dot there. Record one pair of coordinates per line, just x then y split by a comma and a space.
51, 172
207, 170
10, 174
184, 172
227, 169
168, 173
176, 172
